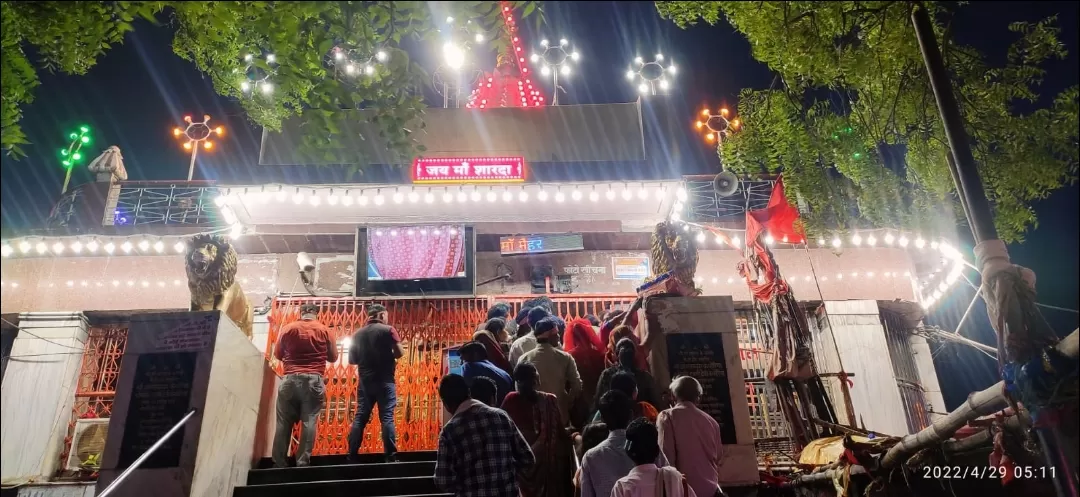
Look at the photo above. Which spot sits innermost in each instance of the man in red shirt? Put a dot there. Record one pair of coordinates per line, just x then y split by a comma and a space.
304, 348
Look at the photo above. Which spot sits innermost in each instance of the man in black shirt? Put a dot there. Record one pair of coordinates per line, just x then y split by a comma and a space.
375, 349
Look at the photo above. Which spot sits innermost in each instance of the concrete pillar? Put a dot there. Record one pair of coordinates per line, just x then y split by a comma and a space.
924, 362
38, 394
864, 351
260, 331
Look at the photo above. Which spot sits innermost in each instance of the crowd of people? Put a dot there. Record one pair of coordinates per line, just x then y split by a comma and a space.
542, 408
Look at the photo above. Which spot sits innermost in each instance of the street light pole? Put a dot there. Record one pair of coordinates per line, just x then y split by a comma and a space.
72, 155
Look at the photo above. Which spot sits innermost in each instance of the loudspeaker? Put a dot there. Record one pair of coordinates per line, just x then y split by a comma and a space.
725, 184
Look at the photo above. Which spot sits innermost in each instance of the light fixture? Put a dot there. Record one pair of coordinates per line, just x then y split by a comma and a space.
651, 75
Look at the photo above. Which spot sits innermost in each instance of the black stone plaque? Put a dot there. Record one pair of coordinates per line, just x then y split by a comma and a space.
701, 355
160, 398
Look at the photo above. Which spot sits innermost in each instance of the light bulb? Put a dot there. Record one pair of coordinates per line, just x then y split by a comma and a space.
769, 240
507, 196
836, 242
479, 38
362, 200
574, 56
144, 245
534, 58
347, 200
245, 86
542, 196
76, 246
109, 248
24, 246
663, 84
643, 193
429, 198
298, 198
563, 42
414, 197
369, 69
889, 238
639, 60
58, 248
523, 196
735, 241
610, 194
559, 196
447, 197
576, 195
820, 242
700, 237
627, 194
630, 75
671, 69
475, 196
565, 70
270, 58
179, 247
719, 240
267, 88
339, 55
380, 56
462, 197
159, 247
903, 241
398, 197
349, 69
491, 196
643, 88
545, 70
593, 196
332, 199
920, 243
92, 246
126, 247
856, 240
315, 200
379, 200
871, 240
659, 57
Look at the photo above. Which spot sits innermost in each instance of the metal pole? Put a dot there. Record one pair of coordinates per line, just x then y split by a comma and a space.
135, 465
966, 173
194, 152
445, 95
977, 209
67, 175
555, 91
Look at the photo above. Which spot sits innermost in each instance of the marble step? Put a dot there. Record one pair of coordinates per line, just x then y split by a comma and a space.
386, 487
337, 460
341, 472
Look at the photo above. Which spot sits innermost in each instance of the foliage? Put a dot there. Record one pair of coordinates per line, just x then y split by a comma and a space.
215, 36
852, 122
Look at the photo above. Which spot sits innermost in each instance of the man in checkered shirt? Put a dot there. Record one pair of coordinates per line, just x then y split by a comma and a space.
480, 448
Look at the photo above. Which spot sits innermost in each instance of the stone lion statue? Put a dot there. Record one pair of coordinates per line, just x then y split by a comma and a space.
211, 272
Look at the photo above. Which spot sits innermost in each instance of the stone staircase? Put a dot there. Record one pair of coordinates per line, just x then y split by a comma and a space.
332, 476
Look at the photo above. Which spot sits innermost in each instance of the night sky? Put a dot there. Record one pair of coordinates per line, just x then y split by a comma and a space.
140, 91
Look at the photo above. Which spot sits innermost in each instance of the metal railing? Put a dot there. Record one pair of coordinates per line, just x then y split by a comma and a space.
704, 205
183, 203
145, 455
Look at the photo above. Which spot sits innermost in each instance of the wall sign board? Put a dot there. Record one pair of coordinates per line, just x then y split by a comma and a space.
540, 244
630, 268
468, 170
701, 355
160, 398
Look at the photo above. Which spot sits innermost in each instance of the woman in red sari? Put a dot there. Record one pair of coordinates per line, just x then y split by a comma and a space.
582, 343
537, 417
489, 336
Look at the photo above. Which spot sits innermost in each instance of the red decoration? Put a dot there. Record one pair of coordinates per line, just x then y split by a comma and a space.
469, 170
778, 219
510, 84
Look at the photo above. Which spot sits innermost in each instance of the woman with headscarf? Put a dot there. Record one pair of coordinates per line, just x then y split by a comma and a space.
584, 346
611, 357
491, 336
646, 385
537, 417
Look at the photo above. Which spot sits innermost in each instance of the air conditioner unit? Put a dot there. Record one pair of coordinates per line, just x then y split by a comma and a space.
87, 444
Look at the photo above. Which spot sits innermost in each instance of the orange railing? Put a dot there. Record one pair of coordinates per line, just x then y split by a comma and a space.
98, 372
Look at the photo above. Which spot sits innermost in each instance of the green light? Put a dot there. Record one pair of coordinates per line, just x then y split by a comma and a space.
73, 136
847, 130
84, 129
857, 155
67, 163
63, 151
86, 139
76, 156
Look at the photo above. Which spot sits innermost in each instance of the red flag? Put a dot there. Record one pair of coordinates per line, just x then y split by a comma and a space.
777, 219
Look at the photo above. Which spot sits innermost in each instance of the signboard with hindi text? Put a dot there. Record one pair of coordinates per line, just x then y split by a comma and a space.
540, 244
630, 268
468, 170
701, 355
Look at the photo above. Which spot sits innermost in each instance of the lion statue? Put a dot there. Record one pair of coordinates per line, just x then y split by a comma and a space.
211, 272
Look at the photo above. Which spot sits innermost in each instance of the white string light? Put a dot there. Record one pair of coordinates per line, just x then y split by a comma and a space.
651, 75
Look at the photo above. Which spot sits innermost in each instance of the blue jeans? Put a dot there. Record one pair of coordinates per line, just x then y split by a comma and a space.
367, 396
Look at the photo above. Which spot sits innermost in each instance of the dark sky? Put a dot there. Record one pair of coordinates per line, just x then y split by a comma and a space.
140, 91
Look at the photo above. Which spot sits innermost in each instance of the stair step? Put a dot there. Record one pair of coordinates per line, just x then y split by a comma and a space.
340, 472
389, 487
339, 459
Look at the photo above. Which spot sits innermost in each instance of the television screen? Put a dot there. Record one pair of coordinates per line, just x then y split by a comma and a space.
416, 252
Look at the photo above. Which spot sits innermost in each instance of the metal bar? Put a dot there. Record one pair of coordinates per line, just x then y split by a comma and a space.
966, 173
135, 465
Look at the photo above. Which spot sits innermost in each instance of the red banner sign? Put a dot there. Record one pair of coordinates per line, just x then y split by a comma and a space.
469, 170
